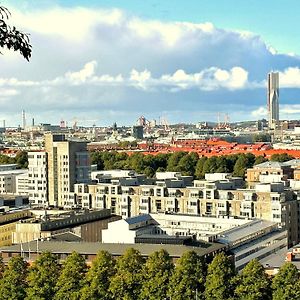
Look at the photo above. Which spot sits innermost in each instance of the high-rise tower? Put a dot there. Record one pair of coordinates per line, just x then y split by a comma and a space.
273, 99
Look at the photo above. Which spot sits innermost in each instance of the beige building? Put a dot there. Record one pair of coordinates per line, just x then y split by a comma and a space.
8, 222
220, 198
67, 164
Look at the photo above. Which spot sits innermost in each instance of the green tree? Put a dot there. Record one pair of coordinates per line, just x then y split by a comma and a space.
11, 38
155, 276
285, 283
199, 174
260, 159
210, 165
222, 165
240, 166
98, 278
96, 159
72, 278
149, 172
174, 159
136, 162
253, 283
42, 277
282, 157
13, 283
188, 278
126, 283
187, 164
219, 280
22, 159
2, 267
262, 137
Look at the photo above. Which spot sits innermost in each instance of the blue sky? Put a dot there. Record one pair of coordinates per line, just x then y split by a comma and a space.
112, 61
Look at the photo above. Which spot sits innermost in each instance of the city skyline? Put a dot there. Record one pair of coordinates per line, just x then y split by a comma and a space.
129, 60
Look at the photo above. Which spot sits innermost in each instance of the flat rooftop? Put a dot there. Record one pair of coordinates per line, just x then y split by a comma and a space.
252, 228
89, 248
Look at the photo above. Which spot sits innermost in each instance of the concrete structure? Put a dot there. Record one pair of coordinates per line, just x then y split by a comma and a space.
89, 250
220, 198
8, 167
86, 224
8, 223
138, 132
67, 163
273, 99
38, 179
168, 225
13, 181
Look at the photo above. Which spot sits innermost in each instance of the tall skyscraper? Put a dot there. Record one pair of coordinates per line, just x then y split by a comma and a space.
273, 99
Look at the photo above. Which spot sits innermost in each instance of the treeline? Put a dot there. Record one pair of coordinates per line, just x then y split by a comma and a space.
132, 277
187, 163
21, 159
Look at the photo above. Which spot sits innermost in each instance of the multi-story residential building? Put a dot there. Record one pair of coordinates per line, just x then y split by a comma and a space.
216, 198
269, 171
38, 178
67, 164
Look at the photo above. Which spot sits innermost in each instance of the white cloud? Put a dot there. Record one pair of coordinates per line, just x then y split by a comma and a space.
140, 79
70, 23
139, 65
81, 76
208, 79
290, 78
290, 109
260, 112
8, 93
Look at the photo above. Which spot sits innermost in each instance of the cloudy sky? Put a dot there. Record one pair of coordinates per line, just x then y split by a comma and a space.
185, 61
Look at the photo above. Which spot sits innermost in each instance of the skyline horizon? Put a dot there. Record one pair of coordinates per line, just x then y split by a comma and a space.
120, 62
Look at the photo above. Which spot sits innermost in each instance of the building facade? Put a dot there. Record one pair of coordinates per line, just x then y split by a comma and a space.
67, 163
273, 99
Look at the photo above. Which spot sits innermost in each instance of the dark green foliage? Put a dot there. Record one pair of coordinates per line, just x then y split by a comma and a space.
42, 277
188, 278
253, 283
4, 159
259, 159
99, 277
72, 278
262, 138
199, 173
133, 277
183, 162
285, 283
1, 267
126, 283
219, 281
13, 283
174, 160
243, 162
22, 159
11, 38
156, 274
281, 157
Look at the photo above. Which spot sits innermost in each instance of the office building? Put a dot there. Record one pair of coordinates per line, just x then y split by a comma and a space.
273, 99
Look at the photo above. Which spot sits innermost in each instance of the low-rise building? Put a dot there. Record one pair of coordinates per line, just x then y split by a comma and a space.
86, 224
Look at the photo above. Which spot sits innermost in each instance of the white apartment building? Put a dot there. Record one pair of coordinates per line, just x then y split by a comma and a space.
37, 178
12, 181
